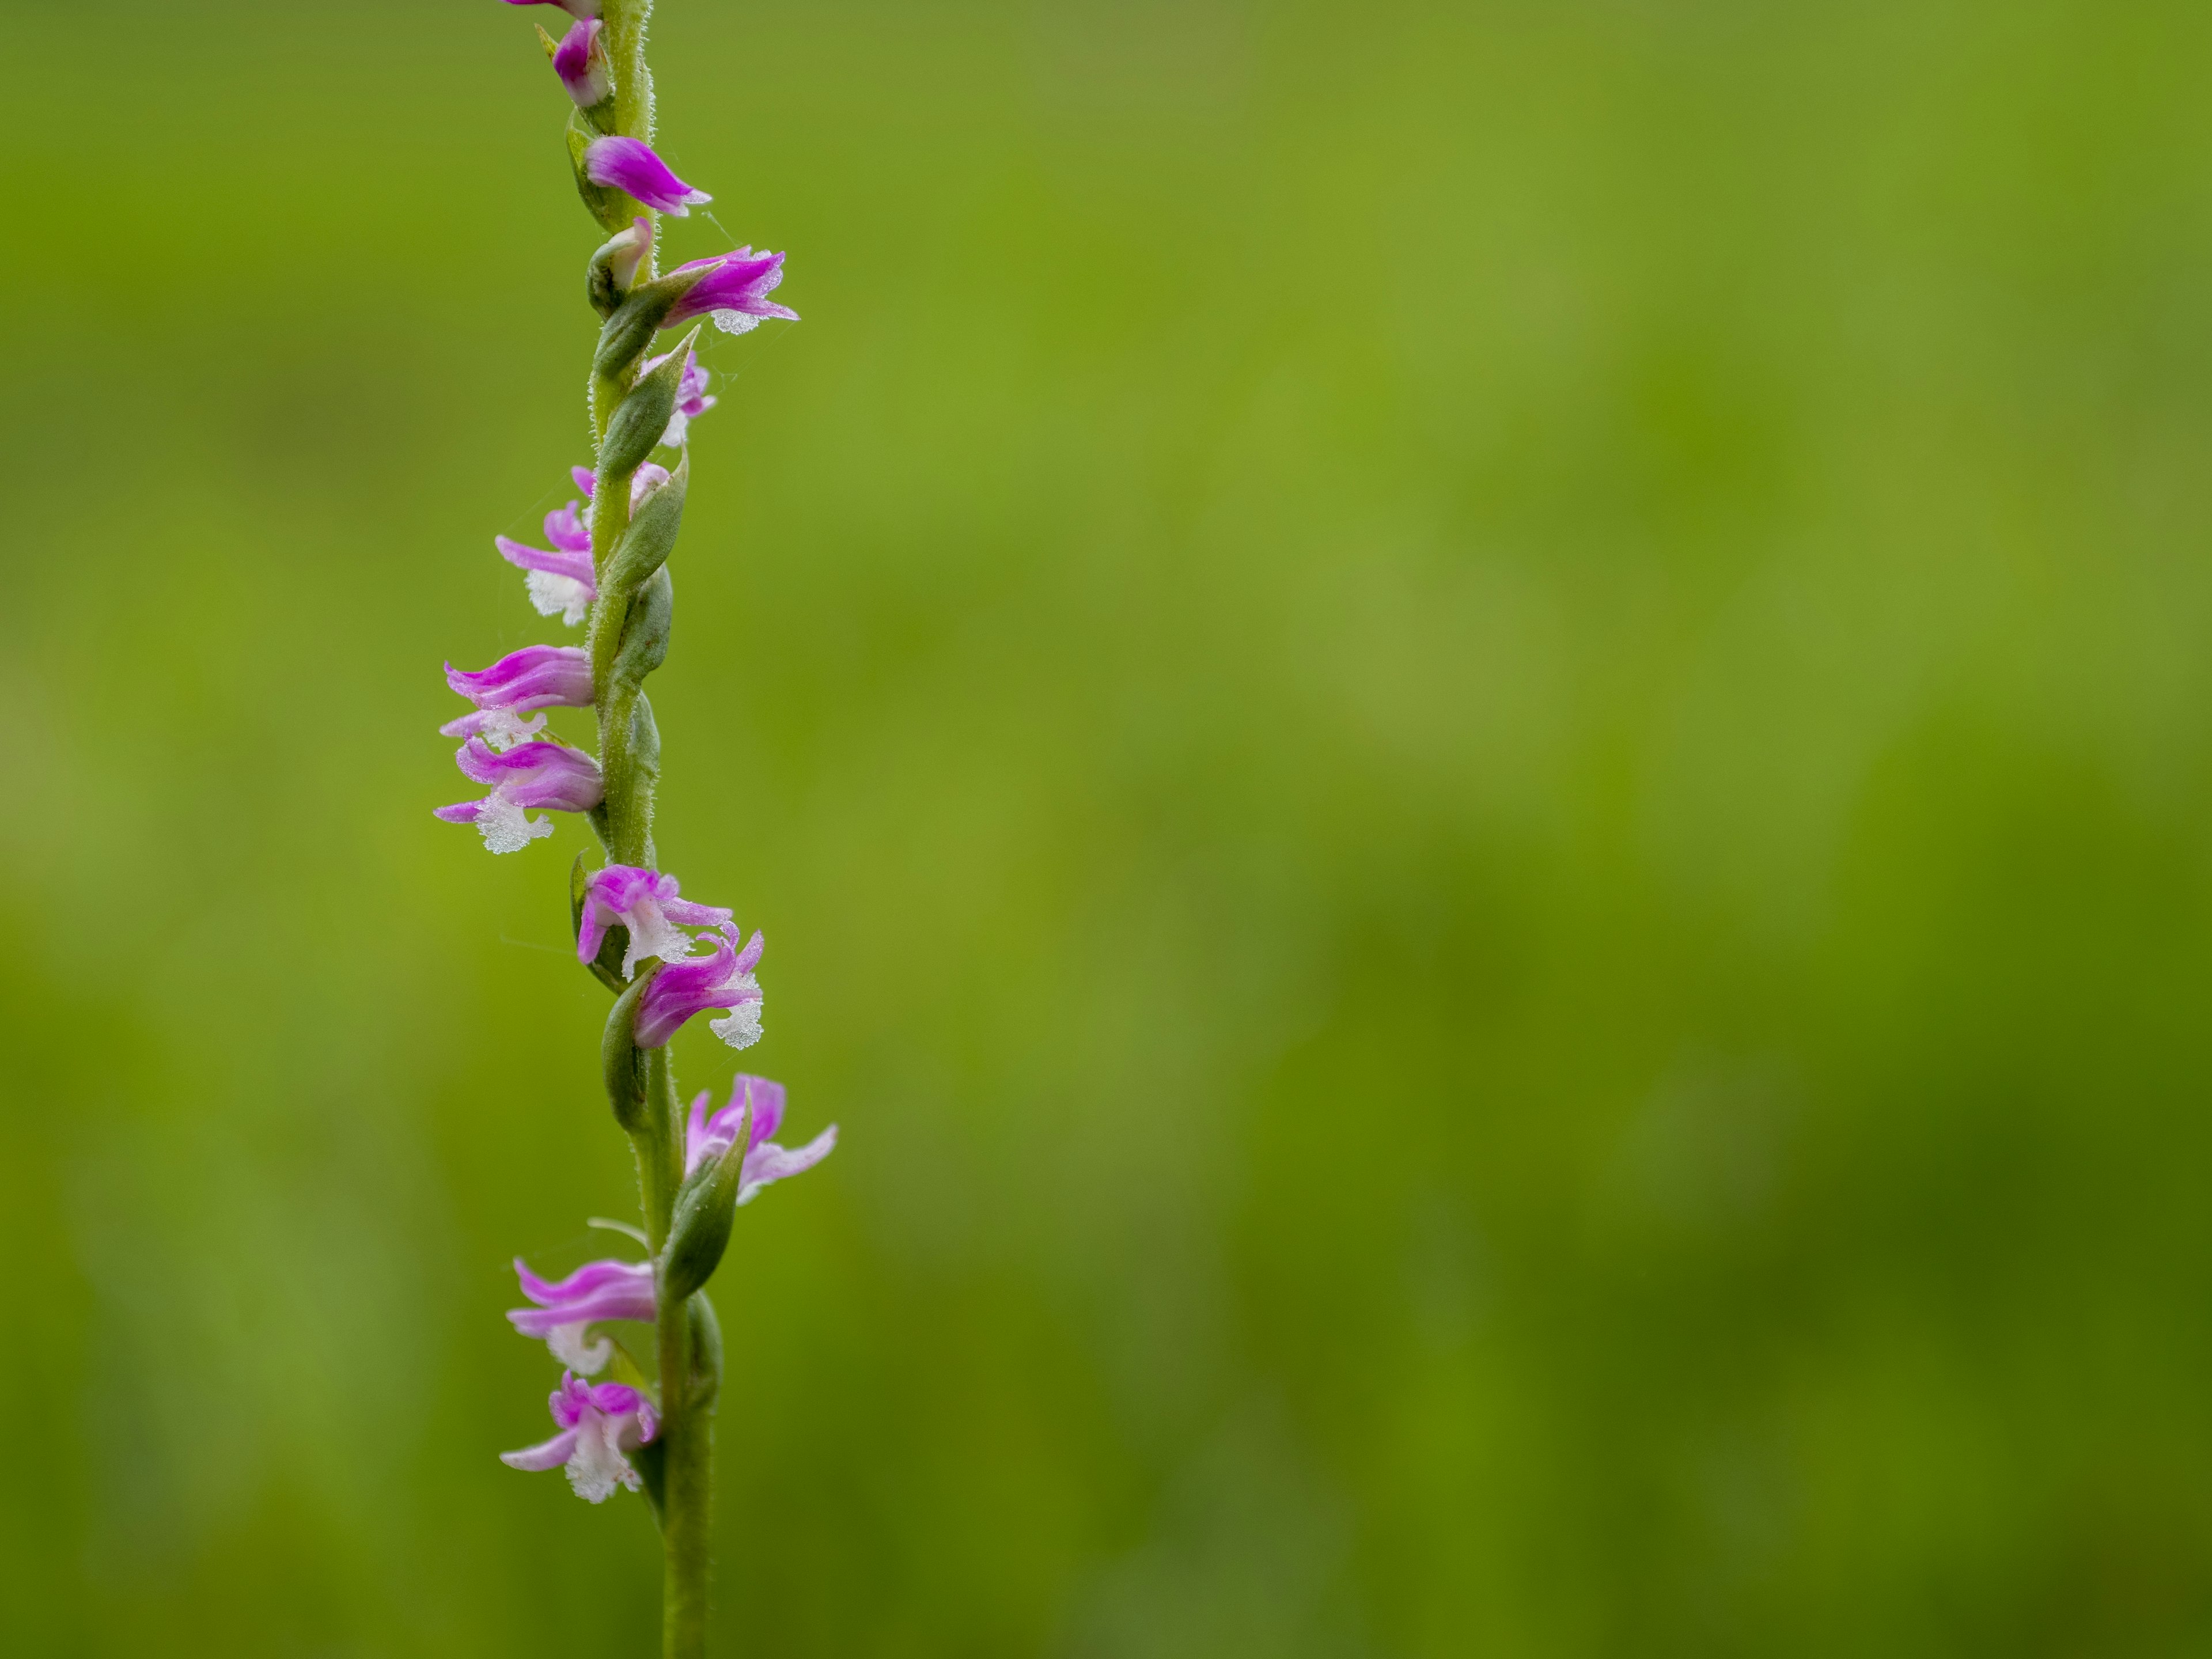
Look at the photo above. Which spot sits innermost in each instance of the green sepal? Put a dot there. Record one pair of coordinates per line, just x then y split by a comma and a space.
643, 416
606, 967
645, 546
699, 1231
706, 1353
624, 336
645, 631
621, 1061
645, 758
613, 209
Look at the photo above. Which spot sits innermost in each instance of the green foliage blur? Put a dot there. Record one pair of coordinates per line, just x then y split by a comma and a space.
1476, 740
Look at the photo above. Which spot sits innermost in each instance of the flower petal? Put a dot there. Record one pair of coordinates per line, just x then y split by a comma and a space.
630, 166
551, 1455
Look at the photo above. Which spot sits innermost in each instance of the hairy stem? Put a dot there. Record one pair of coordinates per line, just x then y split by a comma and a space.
686, 1424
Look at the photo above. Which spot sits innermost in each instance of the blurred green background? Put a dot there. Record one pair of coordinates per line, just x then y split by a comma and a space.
1474, 741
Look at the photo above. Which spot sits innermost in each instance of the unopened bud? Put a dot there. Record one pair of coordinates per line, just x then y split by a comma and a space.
699, 1231
614, 267
580, 61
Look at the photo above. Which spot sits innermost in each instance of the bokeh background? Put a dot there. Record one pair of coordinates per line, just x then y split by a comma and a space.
1475, 739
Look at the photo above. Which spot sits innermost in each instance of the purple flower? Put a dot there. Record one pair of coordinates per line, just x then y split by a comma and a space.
599, 1422
574, 7
536, 676
560, 582
628, 165
710, 1137
541, 773
645, 903
580, 61
691, 398
734, 291
722, 980
567, 1310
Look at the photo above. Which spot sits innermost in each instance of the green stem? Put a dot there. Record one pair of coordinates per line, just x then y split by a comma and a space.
686, 1426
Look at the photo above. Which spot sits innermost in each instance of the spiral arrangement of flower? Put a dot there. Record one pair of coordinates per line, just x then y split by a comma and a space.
666, 959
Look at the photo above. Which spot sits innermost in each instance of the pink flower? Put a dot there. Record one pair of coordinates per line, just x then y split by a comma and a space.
710, 1137
561, 582
599, 1422
536, 676
721, 979
540, 774
733, 292
647, 905
567, 1310
630, 164
691, 398
580, 61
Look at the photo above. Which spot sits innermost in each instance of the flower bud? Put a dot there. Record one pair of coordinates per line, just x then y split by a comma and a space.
580, 61
699, 1231
641, 418
614, 268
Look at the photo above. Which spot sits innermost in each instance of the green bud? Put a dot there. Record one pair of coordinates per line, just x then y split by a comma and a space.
699, 1231
642, 416
620, 1058
651, 537
645, 749
624, 336
645, 631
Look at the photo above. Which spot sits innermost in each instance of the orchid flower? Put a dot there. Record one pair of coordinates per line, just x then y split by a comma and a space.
580, 61
710, 1137
599, 1422
567, 1309
645, 904
540, 774
629, 166
721, 979
691, 398
536, 676
733, 291
679, 957
561, 582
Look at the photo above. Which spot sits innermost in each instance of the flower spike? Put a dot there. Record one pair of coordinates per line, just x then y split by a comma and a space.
599, 1422
629, 166
540, 774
